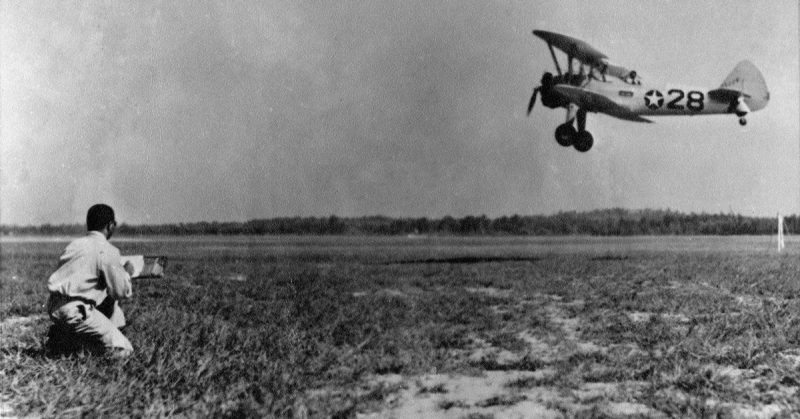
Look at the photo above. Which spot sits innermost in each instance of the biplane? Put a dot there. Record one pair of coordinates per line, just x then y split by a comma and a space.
599, 86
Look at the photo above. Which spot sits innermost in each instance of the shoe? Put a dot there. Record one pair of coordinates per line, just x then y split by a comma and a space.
118, 353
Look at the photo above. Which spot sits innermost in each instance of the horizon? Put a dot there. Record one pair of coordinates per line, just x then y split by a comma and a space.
630, 211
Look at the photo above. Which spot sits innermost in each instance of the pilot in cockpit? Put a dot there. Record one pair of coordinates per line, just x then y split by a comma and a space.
632, 78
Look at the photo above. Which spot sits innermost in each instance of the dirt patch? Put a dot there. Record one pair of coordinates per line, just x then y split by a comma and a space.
644, 317
490, 291
751, 412
791, 356
513, 383
539, 347
6, 412
19, 322
457, 396
568, 325
392, 293
499, 394
386, 292
625, 410
559, 373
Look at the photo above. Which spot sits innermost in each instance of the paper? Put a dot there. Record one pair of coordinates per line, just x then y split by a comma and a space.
146, 266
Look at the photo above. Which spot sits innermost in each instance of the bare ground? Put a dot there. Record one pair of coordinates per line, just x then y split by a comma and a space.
546, 379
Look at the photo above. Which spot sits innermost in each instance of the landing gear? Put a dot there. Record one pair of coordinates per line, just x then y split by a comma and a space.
740, 108
565, 134
583, 141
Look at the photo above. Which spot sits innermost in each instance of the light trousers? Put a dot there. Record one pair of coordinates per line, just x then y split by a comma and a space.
90, 326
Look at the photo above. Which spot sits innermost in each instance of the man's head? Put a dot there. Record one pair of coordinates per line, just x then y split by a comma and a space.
100, 217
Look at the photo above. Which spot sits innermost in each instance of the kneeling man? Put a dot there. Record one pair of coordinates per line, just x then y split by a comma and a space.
85, 288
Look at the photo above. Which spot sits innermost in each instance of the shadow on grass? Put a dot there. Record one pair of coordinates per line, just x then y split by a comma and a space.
608, 258
462, 260
28, 351
55, 346
44, 351
59, 344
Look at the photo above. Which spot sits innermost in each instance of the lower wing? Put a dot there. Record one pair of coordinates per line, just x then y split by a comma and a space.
594, 102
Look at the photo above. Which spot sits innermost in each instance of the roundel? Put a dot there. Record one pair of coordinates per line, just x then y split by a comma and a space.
654, 99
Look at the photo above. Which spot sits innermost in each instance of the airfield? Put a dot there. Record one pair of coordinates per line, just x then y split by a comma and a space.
416, 326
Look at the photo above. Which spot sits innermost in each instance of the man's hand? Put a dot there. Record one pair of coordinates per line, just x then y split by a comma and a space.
128, 266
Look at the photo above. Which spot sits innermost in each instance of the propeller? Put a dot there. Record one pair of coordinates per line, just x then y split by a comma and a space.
533, 99
547, 83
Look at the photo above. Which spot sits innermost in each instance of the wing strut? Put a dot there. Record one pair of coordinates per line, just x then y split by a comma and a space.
569, 68
553, 53
581, 119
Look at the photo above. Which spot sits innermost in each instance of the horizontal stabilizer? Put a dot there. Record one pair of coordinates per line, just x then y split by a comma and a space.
594, 102
746, 81
727, 95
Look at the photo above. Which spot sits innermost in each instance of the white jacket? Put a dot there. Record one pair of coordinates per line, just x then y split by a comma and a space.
90, 269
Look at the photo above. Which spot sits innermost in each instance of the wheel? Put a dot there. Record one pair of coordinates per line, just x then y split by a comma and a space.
742, 121
583, 141
565, 135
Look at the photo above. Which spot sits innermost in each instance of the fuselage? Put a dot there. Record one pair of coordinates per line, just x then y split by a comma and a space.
667, 99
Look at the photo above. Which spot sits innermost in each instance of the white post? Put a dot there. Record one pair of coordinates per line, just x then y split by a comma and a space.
781, 244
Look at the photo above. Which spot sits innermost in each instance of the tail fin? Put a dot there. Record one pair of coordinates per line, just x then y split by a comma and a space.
748, 81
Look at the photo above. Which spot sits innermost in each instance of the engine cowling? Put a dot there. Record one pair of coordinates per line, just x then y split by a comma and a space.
549, 97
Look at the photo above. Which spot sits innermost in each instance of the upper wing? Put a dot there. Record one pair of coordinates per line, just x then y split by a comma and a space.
574, 47
588, 55
594, 102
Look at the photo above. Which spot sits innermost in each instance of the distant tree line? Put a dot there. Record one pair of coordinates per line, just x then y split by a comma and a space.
609, 222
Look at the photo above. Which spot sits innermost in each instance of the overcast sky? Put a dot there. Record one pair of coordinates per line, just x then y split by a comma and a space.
232, 110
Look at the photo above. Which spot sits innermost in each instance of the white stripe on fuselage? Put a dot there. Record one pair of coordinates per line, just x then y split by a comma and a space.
664, 100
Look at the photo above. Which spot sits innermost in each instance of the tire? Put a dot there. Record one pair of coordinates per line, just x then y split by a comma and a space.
583, 141
565, 135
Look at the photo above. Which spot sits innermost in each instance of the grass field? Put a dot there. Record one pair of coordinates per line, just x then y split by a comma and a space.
423, 327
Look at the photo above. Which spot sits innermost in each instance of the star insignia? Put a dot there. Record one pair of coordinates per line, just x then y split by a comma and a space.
654, 99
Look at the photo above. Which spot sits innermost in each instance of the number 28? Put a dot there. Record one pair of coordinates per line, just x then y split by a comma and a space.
694, 100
